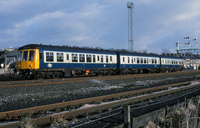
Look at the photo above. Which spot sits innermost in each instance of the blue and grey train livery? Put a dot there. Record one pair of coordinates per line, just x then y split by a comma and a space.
44, 61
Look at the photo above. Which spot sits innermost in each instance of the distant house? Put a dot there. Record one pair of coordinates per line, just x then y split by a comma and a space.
8, 58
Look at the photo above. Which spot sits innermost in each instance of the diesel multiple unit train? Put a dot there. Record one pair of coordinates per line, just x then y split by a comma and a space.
46, 61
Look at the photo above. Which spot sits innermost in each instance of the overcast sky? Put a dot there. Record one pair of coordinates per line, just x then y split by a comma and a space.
158, 24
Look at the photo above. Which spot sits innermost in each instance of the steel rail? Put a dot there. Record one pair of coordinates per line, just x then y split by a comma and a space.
119, 110
101, 107
26, 83
38, 109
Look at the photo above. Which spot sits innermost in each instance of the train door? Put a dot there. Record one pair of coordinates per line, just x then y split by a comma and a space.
24, 59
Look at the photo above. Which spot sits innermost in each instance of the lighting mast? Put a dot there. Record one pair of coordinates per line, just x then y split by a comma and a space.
130, 26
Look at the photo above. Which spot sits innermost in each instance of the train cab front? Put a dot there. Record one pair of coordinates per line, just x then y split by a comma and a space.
27, 62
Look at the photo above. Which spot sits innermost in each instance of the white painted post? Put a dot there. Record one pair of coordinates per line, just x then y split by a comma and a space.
127, 117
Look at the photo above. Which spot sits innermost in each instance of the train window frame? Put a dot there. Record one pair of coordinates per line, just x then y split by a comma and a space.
162, 61
153, 61
138, 60
81, 57
93, 58
128, 60
123, 59
111, 59
132, 60
67, 56
150, 60
98, 58
145, 60
74, 57
19, 56
102, 58
49, 57
25, 58
31, 55
106, 58
60, 57
88, 58
141, 60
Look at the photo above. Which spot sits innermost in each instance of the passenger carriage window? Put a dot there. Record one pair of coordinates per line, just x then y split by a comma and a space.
145, 60
19, 56
31, 55
132, 60
59, 57
98, 58
123, 59
128, 59
94, 59
110, 58
152, 61
89, 58
106, 59
67, 57
74, 57
102, 58
162, 61
155, 61
138, 60
49, 56
25, 55
141, 60
81, 57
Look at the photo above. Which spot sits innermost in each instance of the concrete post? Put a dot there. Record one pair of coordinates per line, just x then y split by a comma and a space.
127, 117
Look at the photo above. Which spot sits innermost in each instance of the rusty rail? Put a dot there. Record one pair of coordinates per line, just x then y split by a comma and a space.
25, 83
72, 114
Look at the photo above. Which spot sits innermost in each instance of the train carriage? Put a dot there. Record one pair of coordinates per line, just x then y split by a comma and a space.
57, 61
171, 63
46, 61
139, 63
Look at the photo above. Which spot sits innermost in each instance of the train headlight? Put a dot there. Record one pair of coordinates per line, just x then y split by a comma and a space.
30, 65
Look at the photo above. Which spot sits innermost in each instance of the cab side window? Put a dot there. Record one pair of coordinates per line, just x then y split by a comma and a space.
19, 55
25, 55
31, 55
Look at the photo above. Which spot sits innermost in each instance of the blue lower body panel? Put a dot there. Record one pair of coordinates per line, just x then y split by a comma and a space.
76, 65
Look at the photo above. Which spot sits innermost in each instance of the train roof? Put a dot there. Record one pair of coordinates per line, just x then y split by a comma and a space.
92, 50
65, 48
191, 57
173, 57
138, 54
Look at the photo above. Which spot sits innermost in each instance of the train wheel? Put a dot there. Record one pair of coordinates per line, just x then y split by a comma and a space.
109, 73
100, 73
39, 76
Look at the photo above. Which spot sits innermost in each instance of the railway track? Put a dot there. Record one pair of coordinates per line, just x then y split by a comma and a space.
70, 111
25, 83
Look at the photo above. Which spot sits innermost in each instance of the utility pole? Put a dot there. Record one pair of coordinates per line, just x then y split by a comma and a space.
130, 26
